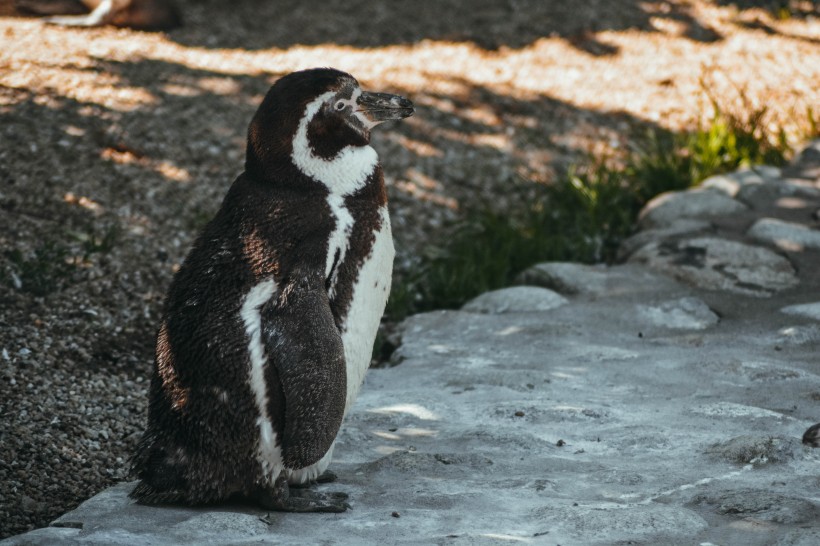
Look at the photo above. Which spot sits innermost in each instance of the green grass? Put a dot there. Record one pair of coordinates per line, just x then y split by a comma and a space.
811, 129
586, 214
95, 240
582, 218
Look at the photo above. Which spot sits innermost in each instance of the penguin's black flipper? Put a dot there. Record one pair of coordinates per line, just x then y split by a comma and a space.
307, 383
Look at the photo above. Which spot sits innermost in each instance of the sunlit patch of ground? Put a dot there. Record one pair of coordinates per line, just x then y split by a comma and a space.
655, 76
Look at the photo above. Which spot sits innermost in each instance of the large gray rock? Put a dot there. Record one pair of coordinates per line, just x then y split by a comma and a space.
809, 310
760, 187
756, 450
780, 192
761, 505
807, 163
697, 203
516, 299
688, 313
594, 280
787, 236
576, 425
801, 334
732, 183
566, 278
719, 264
677, 228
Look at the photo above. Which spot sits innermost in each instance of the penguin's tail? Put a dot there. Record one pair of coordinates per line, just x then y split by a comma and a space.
162, 478
144, 493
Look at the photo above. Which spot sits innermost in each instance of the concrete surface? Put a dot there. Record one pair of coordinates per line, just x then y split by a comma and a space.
591, 423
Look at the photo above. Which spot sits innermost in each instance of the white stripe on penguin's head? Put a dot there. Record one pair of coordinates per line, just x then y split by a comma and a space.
344, 173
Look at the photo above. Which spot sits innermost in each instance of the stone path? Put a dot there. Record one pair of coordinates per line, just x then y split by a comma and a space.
656, 402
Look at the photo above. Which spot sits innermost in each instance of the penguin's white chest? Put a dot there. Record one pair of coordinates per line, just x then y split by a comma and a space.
369, 297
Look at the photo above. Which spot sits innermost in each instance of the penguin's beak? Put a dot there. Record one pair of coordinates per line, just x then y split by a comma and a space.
379, 107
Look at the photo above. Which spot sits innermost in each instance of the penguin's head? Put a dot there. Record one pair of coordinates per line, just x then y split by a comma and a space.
321, 111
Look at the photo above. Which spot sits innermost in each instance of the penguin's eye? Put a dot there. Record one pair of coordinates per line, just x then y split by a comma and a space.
340, 105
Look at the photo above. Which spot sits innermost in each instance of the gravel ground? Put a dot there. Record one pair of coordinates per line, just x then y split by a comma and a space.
116, 146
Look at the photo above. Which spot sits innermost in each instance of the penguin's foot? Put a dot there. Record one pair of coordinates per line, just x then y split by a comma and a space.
282, 498
326, 477
304, 500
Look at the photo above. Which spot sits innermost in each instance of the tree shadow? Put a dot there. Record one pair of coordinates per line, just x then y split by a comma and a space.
800, 9
490, 25
758, 24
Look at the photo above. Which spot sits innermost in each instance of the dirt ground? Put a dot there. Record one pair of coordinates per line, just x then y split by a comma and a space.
116, 146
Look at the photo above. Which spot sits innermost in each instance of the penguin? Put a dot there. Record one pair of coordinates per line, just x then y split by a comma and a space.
269, 323
137, 14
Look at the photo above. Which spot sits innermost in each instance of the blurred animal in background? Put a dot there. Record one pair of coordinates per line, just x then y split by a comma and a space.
137, 14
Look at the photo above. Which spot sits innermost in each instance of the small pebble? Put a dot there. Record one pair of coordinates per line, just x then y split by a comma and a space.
519, 414
560, 443
395, 514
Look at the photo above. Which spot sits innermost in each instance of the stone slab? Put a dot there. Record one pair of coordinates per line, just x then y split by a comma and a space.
788, 236
687, 313
809, 310
807, 163
699, 203
587, 424
732, 183
516, 299
595, 281
719, 264
676, 229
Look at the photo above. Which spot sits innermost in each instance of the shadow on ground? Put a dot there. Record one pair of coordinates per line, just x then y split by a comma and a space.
257, 24
490, 25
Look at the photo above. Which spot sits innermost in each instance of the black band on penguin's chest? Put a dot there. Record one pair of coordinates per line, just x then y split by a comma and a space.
365, 206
